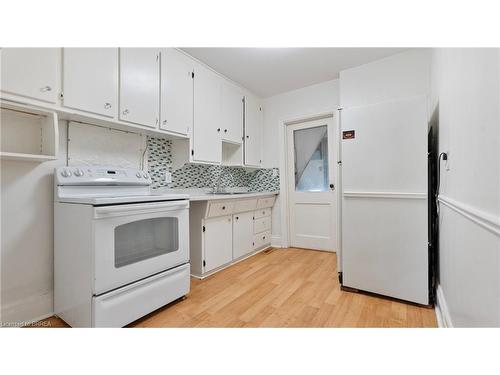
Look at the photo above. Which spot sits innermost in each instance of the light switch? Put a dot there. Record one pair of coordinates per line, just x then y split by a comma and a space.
168, 177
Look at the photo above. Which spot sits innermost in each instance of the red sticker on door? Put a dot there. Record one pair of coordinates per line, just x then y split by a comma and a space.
348, 134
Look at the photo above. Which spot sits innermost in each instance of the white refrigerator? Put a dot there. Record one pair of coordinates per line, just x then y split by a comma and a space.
384, 199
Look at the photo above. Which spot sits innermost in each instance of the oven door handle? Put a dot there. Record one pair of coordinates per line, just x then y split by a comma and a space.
136, 209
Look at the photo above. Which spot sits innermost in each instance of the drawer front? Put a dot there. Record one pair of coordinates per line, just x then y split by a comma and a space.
262, 213
265, 202
261, 225
245, 205
220, 209
262, 239
124, 305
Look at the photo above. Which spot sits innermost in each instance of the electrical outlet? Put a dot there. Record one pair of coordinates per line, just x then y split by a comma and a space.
168, 177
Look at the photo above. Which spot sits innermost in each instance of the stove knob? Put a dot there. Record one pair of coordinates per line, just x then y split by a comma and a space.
78, 172
138, 174
66, 173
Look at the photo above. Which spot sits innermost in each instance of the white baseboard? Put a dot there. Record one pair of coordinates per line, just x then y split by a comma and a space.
276, 241
442, 312
28, 310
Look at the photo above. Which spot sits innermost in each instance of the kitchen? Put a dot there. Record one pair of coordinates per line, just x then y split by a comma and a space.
249, 187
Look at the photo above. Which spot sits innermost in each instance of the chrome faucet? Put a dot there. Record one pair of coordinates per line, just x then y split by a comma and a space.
217, 188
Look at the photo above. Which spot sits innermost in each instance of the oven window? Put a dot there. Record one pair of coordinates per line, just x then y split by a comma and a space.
145, 239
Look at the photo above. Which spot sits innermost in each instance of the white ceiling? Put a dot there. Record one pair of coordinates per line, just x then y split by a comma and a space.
271, 71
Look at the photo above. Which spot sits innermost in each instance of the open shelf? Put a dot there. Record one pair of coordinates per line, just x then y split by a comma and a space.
28, 133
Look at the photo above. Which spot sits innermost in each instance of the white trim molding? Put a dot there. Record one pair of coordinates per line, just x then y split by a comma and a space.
481, 218
384, 195
276, 241
442, 312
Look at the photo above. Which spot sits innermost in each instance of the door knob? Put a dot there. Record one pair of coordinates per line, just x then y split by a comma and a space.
107, 105
126, 112
332, 186
46, 88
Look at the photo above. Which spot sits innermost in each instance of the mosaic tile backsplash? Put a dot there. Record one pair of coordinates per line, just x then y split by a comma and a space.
202, 176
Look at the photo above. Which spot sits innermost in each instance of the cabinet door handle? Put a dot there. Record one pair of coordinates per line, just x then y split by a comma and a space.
46, 89
225, 130
107, 105
126, 112
237, 218
223, 207
248, 136
164, 122
218, 129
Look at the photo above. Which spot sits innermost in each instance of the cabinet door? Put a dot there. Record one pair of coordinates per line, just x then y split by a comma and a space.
176, 109
31, 72
90, 80
242, 234
253, 131
207, 144
218, 242
140, 86
232, 112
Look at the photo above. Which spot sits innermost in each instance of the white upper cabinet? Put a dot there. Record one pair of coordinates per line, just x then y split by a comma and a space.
253, 131
140, 86
31, 72
207, 146
176, 108
232, 112
90, 80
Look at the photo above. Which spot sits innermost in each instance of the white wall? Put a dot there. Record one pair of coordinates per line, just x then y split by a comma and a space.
466, 85
27, 194
398, 76
302, 103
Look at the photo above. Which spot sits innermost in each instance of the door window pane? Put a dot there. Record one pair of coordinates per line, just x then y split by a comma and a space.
311, 159
145, 239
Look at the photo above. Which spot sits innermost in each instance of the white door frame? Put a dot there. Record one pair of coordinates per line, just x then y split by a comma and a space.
284, 209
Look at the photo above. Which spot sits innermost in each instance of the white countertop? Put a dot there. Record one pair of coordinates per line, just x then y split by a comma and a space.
205, 195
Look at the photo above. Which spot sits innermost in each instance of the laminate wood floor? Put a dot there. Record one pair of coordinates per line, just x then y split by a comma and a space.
281, 288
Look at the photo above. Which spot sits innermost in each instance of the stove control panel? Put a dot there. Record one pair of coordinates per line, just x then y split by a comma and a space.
94, 175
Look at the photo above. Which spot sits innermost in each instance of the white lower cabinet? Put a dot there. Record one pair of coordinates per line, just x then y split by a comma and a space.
242, 234
217, 238
227, 230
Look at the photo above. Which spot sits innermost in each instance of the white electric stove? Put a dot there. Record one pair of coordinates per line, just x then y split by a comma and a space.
121, 249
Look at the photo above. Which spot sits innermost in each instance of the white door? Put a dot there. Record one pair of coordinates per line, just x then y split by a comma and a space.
90, 80
207, 128
31, 72
242, 234
140, 86
134, 241
311, 189
176, 109
218, 242
253, 131
232, 113
384, 199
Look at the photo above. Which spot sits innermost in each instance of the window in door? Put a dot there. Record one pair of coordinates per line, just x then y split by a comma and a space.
311, 159
145, 239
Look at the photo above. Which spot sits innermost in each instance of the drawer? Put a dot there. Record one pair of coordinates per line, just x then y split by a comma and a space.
261, 213
261, 225
262, 239
245, 205
265, 202
220, 209
124, 305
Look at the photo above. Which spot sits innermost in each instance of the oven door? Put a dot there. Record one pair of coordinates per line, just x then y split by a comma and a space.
134, 241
